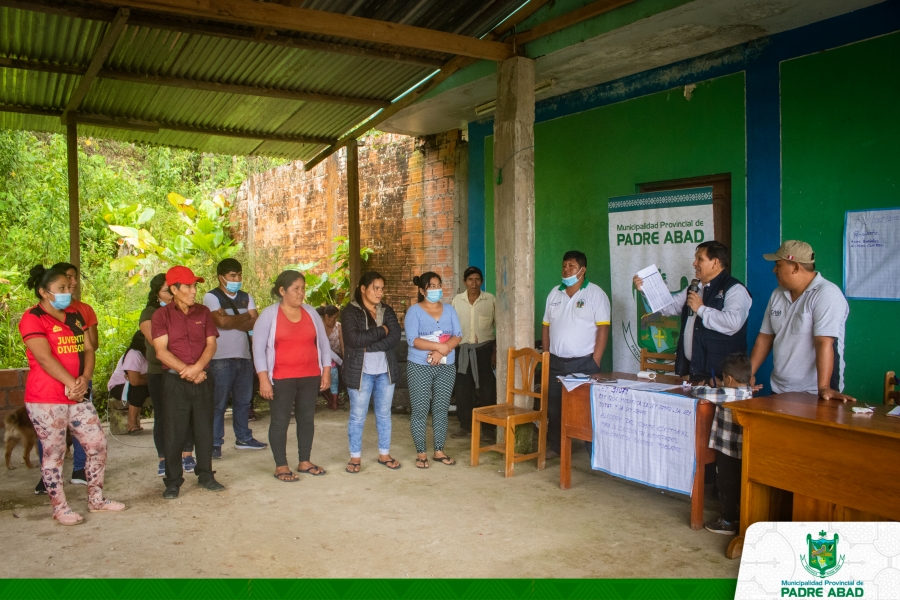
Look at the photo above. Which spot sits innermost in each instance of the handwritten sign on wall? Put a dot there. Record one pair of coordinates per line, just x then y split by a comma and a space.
644, 436
872, 254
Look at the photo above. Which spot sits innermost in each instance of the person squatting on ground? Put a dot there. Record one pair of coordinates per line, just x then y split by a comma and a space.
371, 332
292, 358
234, 314
128, 383
61, 359
329, 315
432, 332
476, 384
184, 336
575, 331
90, 330
158, 297
726, 437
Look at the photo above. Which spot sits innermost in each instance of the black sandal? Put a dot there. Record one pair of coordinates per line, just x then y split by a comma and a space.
287, 477
446, 460
353, 464
309, 471
421, 463
387, 463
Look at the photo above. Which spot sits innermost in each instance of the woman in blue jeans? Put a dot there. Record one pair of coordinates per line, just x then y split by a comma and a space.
371, 331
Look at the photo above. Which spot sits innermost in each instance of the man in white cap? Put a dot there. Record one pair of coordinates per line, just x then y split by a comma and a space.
804, 323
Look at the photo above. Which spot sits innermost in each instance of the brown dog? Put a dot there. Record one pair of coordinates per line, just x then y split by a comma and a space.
20, 429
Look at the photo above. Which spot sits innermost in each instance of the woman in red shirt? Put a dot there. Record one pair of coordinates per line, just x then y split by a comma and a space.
61, 359
292, 357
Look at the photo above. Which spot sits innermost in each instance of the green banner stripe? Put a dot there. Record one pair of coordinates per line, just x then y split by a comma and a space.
670, 199
400, 589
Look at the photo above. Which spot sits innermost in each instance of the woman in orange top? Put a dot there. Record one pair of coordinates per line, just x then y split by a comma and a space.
61, 358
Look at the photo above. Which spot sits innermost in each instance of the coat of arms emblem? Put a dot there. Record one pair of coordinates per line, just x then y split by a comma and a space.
823, 555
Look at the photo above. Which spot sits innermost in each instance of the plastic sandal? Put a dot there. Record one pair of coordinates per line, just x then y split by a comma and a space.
291, 478
387, 463
351, 465
108, 506
446, 460
70, 517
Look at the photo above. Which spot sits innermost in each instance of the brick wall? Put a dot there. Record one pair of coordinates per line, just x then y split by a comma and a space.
407, 190
12, 391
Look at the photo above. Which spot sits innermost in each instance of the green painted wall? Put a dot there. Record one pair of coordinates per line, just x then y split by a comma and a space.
841, 151
584, 159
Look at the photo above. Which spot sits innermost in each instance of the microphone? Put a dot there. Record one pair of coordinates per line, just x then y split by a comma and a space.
694, 287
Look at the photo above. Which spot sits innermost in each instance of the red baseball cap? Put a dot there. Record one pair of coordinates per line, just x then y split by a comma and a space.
182, 275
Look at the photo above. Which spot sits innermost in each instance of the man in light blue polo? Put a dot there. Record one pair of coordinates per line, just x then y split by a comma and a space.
804, 325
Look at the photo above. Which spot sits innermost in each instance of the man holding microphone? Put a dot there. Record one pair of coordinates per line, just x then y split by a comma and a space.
713, 318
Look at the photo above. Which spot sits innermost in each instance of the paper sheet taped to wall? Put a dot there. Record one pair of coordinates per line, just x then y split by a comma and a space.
872, 254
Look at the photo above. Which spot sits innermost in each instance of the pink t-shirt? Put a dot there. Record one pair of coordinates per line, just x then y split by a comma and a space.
132, 360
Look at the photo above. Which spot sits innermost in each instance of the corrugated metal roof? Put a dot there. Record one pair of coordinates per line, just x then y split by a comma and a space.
60, 35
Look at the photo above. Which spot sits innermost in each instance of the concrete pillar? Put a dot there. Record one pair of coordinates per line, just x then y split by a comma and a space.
353, 211
513, 179
460, 214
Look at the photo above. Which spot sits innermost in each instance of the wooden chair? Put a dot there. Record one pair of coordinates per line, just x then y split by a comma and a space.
668, 365
508, 415
891, 396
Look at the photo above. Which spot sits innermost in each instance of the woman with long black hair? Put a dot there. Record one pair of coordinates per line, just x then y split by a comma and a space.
371, 331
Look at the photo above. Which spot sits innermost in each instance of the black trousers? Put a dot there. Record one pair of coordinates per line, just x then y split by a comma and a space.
728, 480
297, 395
468, 396
188, 408
558, 367
155, 385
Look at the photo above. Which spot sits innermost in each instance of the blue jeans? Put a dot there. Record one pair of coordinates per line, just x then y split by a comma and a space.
232, 377
359, 407
334, 380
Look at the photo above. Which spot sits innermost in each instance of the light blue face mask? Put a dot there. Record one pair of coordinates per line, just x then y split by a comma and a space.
434, 295
161, 303
570, 281
233, 287
61, 301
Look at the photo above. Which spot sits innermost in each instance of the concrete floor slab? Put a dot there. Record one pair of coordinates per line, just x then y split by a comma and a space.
448, 521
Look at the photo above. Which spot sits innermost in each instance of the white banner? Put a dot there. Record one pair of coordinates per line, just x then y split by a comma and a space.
646, 437
872, 254
820, 560
662, 228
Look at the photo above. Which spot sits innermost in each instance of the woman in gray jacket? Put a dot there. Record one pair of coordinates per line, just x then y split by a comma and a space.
293, 361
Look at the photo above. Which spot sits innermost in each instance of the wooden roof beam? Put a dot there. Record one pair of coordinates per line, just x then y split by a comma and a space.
115, 29
154, 127
567, 20
192, 84
94, 13
318, 22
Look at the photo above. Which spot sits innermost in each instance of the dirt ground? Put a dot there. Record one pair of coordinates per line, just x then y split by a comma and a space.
447, 521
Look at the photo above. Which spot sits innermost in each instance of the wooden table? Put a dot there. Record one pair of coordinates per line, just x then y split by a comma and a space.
577, 425
806, 459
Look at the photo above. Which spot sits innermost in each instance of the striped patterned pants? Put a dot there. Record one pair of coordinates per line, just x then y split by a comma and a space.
430, 388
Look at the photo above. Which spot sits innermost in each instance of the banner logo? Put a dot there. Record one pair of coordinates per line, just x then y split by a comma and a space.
823, 555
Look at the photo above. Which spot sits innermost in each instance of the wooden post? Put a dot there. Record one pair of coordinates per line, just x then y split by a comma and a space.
353, 212
74, 212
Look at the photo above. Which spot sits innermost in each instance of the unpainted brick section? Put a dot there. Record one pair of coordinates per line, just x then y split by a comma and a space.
406, 210
12, 391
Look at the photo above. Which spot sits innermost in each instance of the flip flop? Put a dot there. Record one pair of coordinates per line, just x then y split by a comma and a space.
134, 430
292, 478
446, 460
353, 464
422, 463
309, 471
387, 463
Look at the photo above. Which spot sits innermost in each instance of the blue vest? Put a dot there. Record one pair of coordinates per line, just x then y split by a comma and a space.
709, 348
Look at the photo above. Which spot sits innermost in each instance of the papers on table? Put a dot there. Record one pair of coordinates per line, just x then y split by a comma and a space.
654, 289
647, 386
570, 382
895, 412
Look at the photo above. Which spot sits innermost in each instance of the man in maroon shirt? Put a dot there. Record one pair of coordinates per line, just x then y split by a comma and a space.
184, 336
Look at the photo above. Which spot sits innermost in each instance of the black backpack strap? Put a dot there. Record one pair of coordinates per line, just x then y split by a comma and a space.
226, 302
